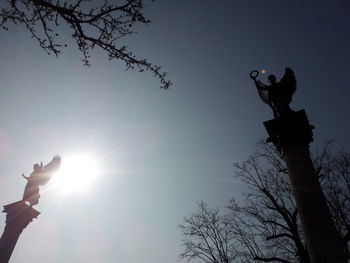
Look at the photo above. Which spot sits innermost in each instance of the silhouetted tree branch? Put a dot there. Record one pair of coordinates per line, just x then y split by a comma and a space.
334, 174
101, 23
272, 259
207, 237
264, 226
266, 223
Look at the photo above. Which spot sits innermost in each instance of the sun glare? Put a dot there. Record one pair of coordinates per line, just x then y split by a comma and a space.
76, 174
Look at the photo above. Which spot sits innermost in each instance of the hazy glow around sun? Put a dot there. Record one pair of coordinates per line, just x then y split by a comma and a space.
76, 174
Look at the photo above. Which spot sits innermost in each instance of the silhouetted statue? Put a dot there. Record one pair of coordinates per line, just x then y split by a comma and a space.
278, 95
40, 176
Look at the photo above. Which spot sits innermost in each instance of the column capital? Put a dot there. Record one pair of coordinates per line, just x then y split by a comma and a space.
293, 129
20, 214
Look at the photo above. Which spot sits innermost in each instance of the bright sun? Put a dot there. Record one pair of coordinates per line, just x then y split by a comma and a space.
76, 174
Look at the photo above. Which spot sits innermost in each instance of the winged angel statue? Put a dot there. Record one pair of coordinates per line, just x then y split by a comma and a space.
41, 175
278, 95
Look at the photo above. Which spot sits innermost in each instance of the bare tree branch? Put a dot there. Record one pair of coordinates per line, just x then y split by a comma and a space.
207, 237
274, 259
92, 25
265, 226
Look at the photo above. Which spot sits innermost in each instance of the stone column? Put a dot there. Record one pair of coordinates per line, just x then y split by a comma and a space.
18, 216
292, 134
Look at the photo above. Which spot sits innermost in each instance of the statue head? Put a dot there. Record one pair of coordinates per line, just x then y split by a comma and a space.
37, 168
272, 79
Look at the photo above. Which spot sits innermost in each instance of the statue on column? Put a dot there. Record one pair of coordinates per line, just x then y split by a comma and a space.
278, 95
19, 214
41, 175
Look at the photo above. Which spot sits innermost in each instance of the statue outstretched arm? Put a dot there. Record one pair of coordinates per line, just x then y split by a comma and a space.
263, 89
259, 85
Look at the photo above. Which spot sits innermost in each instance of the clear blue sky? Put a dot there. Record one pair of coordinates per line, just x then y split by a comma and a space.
162, 150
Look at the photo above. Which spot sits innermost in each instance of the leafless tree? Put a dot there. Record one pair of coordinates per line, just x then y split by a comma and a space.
101, 23
334, 172
207, 237
264, 224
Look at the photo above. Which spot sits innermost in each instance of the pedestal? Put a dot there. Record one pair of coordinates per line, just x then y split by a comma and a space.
18, 216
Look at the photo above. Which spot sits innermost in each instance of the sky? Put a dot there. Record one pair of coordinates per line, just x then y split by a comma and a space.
161, 151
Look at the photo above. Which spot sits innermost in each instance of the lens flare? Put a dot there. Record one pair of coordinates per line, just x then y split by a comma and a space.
76, 174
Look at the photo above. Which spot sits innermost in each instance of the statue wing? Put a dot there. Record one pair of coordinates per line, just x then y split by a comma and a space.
289, 83
49, 169
54, 165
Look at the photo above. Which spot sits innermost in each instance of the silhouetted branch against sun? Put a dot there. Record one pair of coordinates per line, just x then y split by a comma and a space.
93, 23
